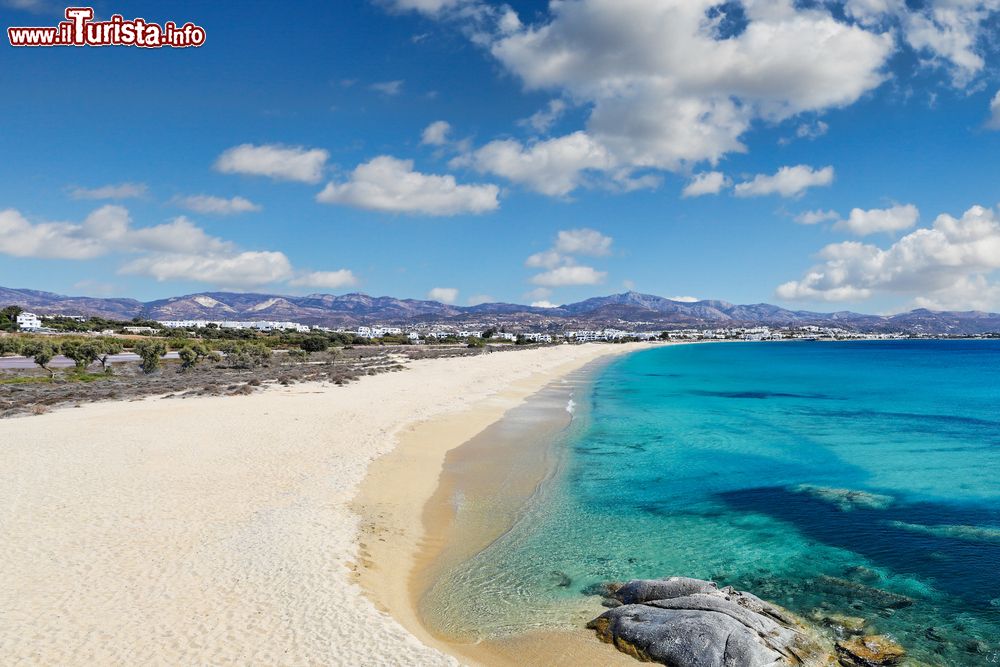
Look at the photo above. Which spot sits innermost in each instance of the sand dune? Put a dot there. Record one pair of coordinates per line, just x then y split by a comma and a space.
218, 530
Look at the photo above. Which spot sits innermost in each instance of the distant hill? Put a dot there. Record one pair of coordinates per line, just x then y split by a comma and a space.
621, 310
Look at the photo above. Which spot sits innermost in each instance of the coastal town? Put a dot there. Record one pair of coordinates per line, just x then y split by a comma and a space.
425, 333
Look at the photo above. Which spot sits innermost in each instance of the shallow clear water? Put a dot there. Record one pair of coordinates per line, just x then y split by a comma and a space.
728, 462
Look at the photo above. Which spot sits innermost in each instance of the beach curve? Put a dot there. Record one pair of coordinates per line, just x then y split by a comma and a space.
218, 529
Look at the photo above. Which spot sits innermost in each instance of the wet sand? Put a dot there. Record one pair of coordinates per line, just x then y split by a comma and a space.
491, 462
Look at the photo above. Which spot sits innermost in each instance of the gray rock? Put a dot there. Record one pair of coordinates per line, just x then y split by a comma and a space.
691, 623
639, 591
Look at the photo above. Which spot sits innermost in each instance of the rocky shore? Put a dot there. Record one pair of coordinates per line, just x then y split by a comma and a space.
686, 622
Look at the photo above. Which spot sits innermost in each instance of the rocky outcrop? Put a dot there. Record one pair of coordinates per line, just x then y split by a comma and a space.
686, 622
870, 651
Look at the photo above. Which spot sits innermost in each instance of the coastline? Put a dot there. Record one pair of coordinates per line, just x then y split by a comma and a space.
407, 507
213, 529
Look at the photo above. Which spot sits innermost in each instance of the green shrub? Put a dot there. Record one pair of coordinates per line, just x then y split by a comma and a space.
246, 355
315, 344
10, 345
150, 353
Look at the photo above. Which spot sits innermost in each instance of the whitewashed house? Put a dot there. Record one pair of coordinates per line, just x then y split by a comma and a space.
28, 322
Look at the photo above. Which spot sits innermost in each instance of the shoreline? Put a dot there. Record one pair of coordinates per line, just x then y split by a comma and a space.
220, 530
407, 512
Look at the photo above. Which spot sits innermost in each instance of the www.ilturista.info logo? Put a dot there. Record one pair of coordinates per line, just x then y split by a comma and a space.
80, 29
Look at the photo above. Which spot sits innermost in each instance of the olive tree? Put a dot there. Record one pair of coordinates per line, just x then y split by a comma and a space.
150, 354
41, 352
192, 355
81, 353
106, 348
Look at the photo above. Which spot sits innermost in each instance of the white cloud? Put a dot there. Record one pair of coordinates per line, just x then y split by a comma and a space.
951, 32
443, 294
583, 241
175, 250
706, 183
553, 167
390, 88
325, 279
948, 263
289, 163
876, 220
217, 205
564, 276
787, 182
436, 134
667, 90
119, 191
391, 185
542, 121
684, 299
107, 229
54, 240
994, 121
672, 83
816, 217
539, 294
178, 235
560, 261
243, 269
543, 304
971, 293
430, 7
547, 259
812, 130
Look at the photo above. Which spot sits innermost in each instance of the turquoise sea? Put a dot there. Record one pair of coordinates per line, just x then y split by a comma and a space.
858, 478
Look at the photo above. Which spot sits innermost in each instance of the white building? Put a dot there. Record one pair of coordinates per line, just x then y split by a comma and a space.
585, 336
377, 332
230, 324
28, 322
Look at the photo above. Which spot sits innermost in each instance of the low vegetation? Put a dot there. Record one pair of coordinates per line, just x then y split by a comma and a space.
199, 371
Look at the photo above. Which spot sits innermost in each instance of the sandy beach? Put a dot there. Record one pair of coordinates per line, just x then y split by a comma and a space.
224, 530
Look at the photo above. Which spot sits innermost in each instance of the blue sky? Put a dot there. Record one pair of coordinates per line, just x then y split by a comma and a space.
291, 153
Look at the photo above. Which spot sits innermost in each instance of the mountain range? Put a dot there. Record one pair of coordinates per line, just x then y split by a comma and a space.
630, 309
